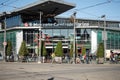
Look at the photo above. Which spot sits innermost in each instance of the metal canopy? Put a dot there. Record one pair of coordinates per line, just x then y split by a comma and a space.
51, 7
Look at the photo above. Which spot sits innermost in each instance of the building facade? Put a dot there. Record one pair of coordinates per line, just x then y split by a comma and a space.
27, 27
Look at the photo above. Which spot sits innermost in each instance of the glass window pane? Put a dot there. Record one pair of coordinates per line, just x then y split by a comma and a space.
64, 32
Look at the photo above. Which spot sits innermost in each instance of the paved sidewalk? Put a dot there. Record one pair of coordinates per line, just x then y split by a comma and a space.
48, 71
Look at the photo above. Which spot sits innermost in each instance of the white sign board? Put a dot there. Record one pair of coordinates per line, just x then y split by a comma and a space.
0, 25
104, 35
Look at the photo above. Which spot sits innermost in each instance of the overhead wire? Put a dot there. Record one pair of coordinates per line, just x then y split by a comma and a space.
8, 5
89, 13
108, 1
3, 4
12, 1
98, 4
5, 1
76, 10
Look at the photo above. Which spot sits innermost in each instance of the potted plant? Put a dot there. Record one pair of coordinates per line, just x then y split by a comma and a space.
44, 52
58, 52
100, 53
23, 51
9, 51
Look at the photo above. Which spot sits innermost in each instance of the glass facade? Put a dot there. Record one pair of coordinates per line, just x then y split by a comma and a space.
63, 31
25, 25
11, 36
1, 41
58, 32
113, 39
83, 37
15, 20
29, 37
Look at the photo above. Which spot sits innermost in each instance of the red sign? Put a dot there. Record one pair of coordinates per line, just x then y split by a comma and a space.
4, 43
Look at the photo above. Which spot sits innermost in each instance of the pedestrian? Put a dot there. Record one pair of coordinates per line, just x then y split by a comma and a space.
90, 58
111, 57
77, 60
53, 57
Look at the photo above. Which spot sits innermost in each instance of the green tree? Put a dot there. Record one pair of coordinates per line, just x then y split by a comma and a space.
83, 50
100, 50
71, 51
59, 50
23, 49
9, 48
44, 52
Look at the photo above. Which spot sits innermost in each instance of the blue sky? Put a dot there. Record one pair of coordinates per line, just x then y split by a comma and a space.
111, 9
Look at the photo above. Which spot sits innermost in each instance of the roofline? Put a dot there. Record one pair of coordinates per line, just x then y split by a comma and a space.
40, 2
92, 27
19, 28
89, 19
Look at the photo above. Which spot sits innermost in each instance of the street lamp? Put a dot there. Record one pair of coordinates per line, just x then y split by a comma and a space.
104, 36
39, 57
4, 43
74, 44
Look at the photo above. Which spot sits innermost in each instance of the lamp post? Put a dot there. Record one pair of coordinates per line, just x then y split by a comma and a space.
39, 57
74, 44
4, 43
104, 36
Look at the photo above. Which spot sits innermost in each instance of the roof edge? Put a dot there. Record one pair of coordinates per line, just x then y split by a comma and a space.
43, 1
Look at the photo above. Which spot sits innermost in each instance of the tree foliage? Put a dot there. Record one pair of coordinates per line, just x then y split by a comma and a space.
23, 49
59, 50
83, 50
43, 49
71, 51
100, 50
76, 50
9, 48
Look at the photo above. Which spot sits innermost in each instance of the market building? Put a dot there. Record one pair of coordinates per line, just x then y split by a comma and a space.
39, 18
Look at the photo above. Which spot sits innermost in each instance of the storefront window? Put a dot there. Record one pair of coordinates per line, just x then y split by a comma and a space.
56, 32
99, 36
64, 32
11, 36
16, 21
49, 32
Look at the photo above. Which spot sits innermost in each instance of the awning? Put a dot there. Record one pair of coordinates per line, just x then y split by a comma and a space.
53, 7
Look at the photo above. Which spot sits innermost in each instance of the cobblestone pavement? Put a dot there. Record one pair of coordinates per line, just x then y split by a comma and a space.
35, 71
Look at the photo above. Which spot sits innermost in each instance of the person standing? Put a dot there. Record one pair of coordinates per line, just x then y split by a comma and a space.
53, 57
111, 56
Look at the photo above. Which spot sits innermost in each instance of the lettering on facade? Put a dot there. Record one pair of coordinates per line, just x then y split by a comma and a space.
83, 24
50, 24
57, 25
60, 24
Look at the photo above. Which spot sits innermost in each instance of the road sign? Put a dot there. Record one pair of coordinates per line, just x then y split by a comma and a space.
4, 43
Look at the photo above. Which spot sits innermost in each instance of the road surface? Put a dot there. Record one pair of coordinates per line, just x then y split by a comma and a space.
48, 71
